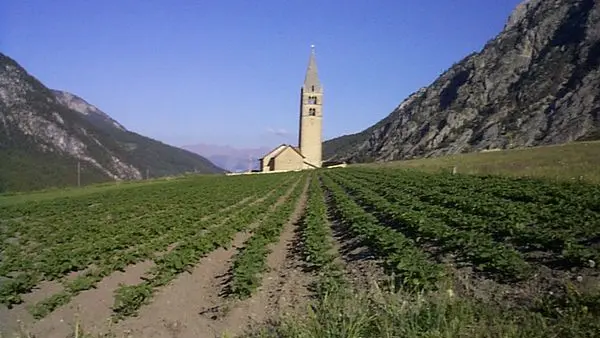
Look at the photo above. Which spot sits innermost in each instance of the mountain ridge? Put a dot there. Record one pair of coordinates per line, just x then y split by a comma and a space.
82, 106
532, 84
63, 129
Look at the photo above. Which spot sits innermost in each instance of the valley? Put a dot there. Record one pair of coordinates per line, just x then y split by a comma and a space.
471, 210
247, 255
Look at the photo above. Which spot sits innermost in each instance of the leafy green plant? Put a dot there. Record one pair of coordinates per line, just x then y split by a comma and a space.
110, 229
413, 267
250, 261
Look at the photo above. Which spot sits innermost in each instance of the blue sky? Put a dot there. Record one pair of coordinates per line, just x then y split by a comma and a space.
229, 72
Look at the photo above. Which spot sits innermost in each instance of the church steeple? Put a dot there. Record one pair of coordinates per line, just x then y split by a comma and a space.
311, 80
311, 108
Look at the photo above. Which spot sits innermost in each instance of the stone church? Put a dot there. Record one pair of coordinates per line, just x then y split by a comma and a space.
308, 153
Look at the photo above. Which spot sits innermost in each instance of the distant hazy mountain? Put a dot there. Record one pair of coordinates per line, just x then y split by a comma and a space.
230, 158
44, 133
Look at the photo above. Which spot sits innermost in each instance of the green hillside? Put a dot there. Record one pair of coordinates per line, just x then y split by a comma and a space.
567, 162
42, 138
20, 171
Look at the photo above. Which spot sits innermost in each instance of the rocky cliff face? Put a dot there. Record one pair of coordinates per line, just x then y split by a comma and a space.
60, 128
536, 83
91, 112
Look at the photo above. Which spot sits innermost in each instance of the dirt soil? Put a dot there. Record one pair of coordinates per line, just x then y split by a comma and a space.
548, 277
193, 305
285, 287
174, 309
544, 282
361, 266
93, 307
18, 317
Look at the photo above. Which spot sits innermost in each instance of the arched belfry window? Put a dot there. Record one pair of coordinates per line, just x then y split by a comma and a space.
312, 112
312, 89
312, 100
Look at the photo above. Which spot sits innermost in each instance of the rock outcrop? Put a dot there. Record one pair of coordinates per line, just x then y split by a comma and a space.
536, 83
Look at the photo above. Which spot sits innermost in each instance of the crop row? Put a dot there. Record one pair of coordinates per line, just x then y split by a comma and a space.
251, 260
118, 204
460, 191
574, 196
471, 246
316, 233
50, 239
129, 299
526, 226
47, 249
401, 256
151, 249
317, 243
567, 207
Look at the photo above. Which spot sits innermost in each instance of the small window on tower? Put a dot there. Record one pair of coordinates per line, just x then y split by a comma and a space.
312, 100
312, 112
312, 89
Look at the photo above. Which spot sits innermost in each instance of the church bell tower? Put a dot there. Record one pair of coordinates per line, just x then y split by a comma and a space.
311, 118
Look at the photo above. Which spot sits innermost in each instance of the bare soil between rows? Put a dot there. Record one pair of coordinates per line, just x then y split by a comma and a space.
92, 308
284, 289
364, 269
361, 267
176, 310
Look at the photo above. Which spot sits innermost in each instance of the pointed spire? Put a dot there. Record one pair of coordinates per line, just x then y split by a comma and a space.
312, 77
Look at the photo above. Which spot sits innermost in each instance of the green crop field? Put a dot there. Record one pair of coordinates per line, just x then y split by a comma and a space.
349, 252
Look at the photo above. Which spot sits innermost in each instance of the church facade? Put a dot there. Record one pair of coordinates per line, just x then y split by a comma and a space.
308, 154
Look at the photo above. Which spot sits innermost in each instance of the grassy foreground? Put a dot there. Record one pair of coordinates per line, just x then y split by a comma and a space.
341, 311
344, 312
572, 161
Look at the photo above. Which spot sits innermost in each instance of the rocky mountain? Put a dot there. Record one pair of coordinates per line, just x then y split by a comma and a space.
46, 134
536, 83
92, 113
230, 158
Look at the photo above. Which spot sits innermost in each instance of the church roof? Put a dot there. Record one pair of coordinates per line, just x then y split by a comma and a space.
279, 149
274, 150
312, 75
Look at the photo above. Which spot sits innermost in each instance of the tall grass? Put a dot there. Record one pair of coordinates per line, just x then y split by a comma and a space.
352, 313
